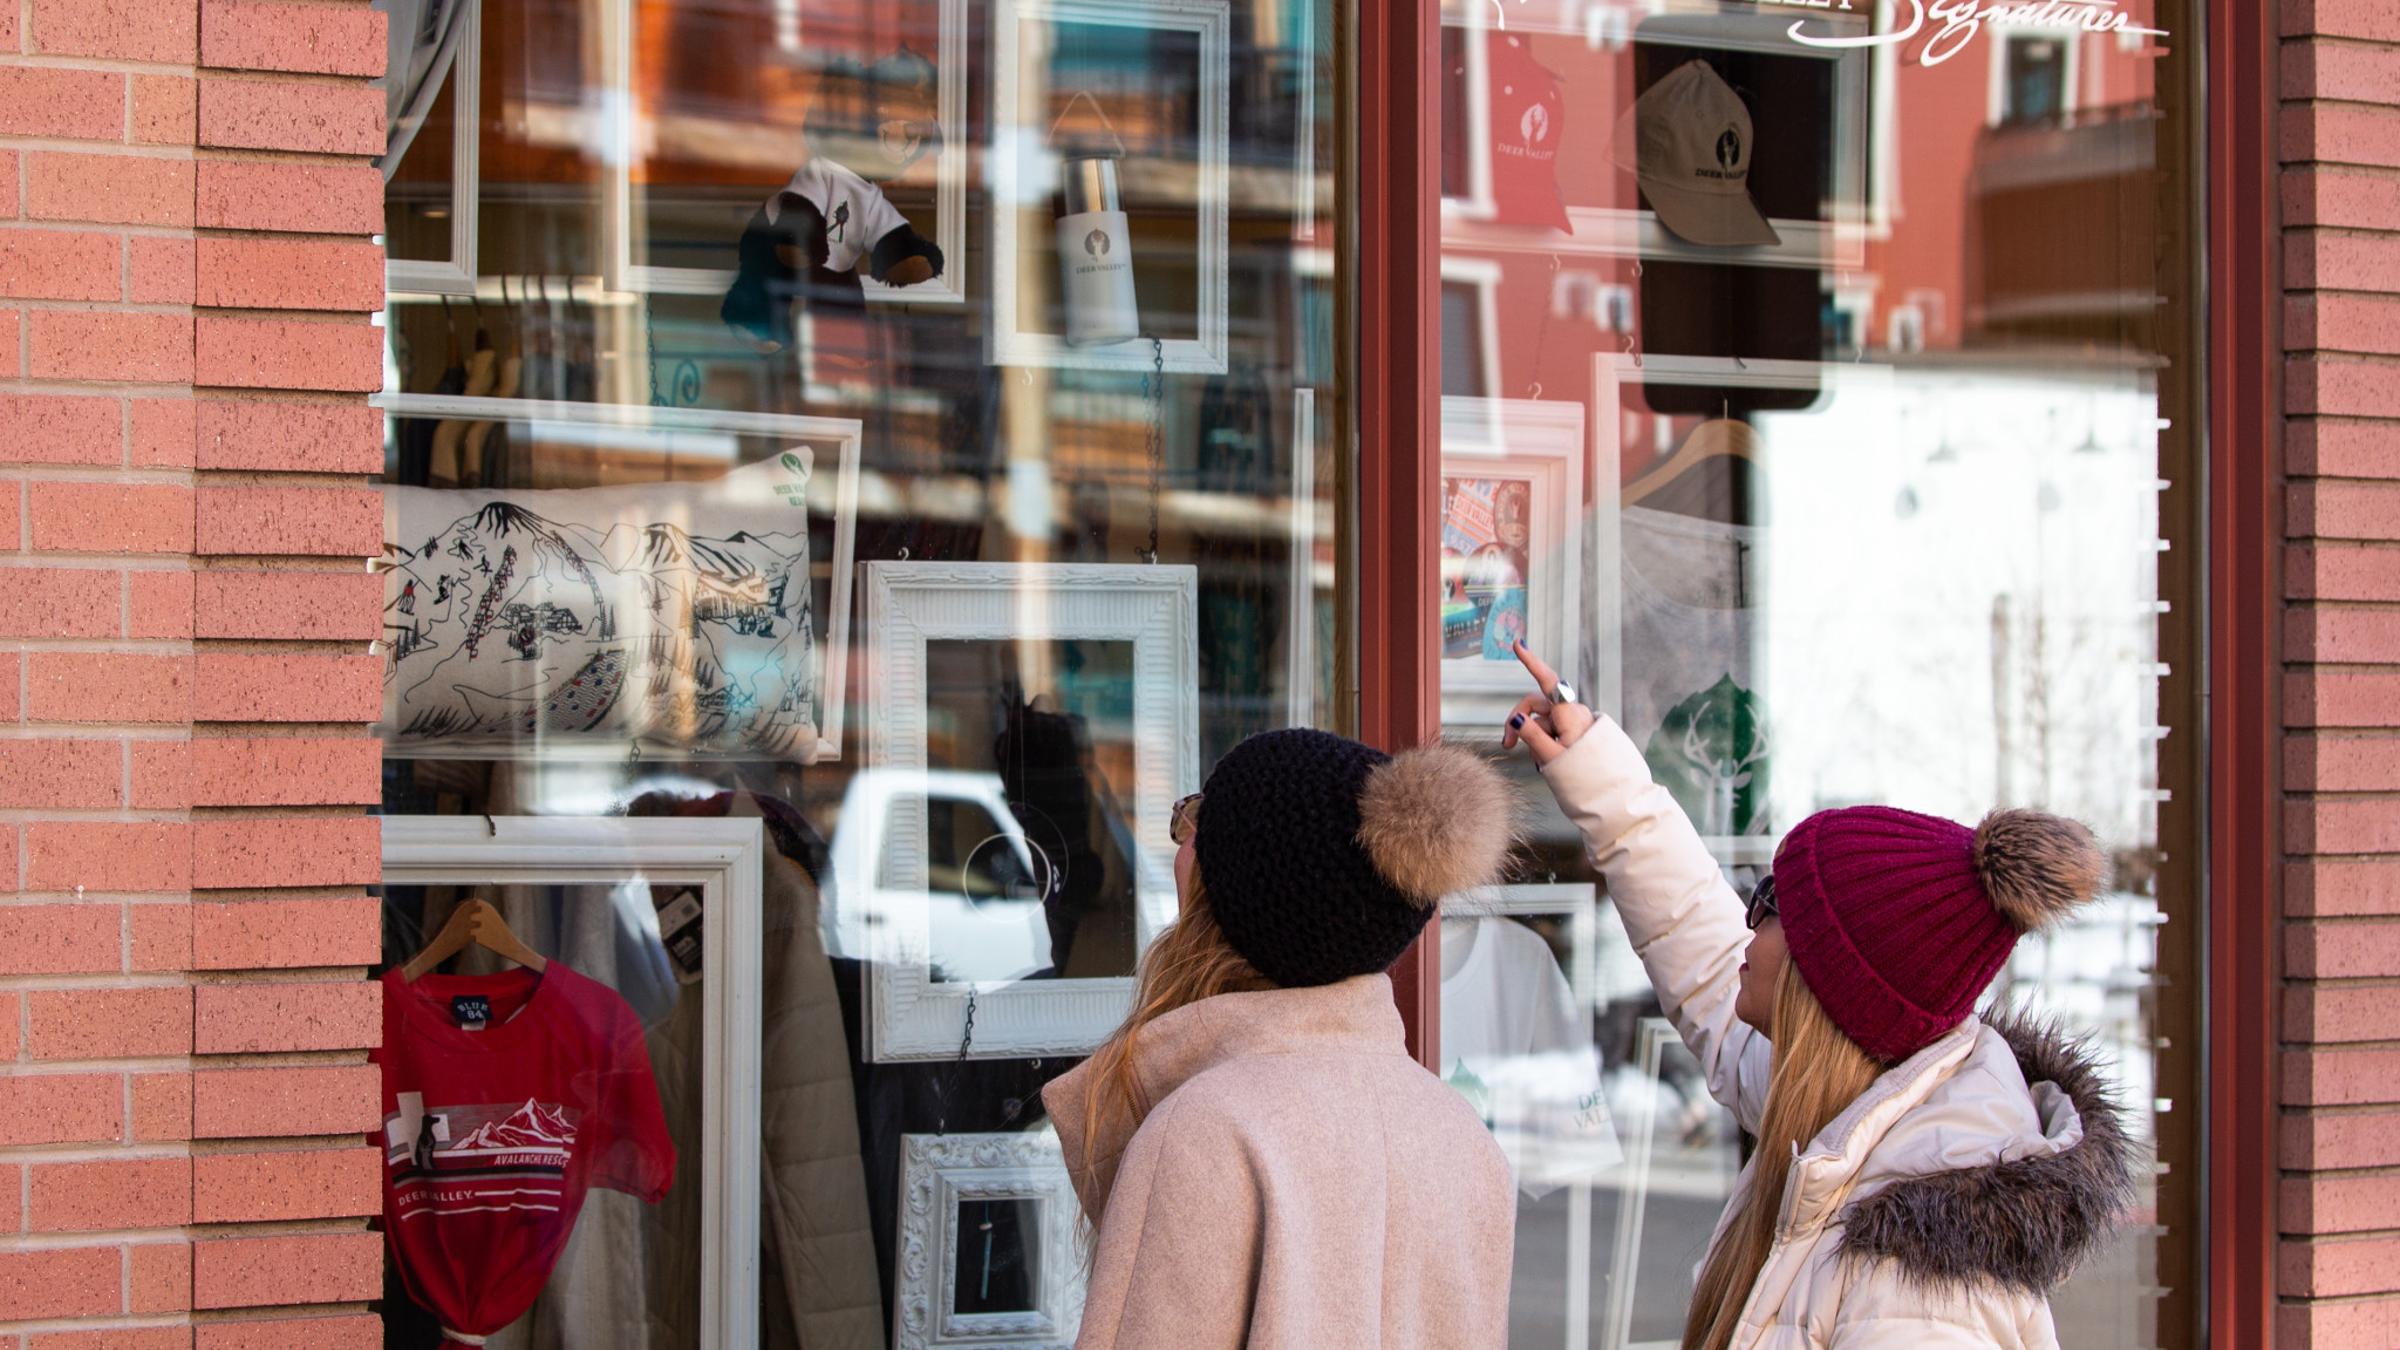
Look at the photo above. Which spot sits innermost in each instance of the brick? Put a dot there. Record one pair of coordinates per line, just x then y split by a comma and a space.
2332, 571
8, 184
2342, 825
2347, 1204
295, 605
2341, 323
162, 31
12, 516
2340, 448
166, 110
162, 1107
2369, 19
2341, 950
239, 353
2340, 70
165, 433
108, 855
2333, 261
251, 852
146, 348
249, 273
2341, 763
2335, 699
112, 189
286, 934
265, 1187
119, 1193
257, 1018
132, 1023
317, 1268
159, 603
321, 522
362, 1331
61, 429
60, 1108
9, 36
123, 1338
10, 679
163, 271
60, 775
290, 1101
162, 776
323, 39
60, 265
161, 936
287, 771
2314, 886
81, 105
59, 602
60, 1282
2340, 133
2342, 635
329, 119
2338, 1267
60, 939
2334, 1142
12, 321
9, 1046
290, 437
108, 687
285, 687
2341, 1013
2341, 1077
159, 1277
12, 1199
112, 517
290, 196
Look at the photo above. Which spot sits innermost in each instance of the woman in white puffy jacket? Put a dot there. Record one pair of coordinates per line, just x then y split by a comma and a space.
1923, 1177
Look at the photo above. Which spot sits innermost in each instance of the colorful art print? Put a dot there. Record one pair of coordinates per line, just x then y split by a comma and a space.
1487, 532
674, 615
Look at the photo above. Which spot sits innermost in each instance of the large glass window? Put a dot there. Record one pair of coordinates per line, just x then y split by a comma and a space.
850, 467
1822, 400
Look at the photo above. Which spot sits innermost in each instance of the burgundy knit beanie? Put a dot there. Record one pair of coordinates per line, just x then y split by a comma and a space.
1899, 921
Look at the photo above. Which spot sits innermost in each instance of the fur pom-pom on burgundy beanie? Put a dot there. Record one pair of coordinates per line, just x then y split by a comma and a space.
1323, 858
1898, 921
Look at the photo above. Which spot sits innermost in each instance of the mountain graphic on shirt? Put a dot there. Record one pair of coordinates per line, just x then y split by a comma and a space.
533, 1127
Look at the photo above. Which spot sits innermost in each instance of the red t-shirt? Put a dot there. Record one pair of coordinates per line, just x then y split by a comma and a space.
492, 1136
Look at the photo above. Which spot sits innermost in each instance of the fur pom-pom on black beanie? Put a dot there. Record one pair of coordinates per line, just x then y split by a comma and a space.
1323, 858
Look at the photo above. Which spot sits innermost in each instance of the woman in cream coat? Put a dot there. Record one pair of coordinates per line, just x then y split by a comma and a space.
1924, 1176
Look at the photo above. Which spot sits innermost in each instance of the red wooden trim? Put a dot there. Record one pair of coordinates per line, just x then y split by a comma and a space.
2245, 537
1399, 411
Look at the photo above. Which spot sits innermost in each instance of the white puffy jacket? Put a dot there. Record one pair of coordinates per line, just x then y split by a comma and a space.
1942, 1206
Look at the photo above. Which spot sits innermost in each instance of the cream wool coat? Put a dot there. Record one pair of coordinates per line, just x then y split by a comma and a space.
1300, 1184
1944, 1204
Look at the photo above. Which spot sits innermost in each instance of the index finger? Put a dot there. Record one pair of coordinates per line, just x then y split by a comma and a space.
1539, 669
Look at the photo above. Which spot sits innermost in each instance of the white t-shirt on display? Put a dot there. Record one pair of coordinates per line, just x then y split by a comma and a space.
857, 214
1519, 1047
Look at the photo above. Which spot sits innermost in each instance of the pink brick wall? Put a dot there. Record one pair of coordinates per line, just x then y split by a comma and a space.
2338, 1266
186, 276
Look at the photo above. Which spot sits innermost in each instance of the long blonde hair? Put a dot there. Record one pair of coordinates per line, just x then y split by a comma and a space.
1188, 962
1818, 1072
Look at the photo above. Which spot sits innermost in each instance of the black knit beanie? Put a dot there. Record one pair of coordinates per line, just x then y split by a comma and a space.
1323, 858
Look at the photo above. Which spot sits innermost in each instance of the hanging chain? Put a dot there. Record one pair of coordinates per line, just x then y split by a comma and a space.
1154, 393
941, 1088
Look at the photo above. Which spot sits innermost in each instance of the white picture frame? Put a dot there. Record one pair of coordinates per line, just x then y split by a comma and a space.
938, 1173
1155, 607
1310, 523
1541, 445
692, 433
458, 274
620, 230
1025, 171
724, 861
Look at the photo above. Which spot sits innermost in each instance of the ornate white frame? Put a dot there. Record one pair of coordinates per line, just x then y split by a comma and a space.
950, 177
1156, 607
833, 647
1540, 442
1008, 345
724, 860
937, 1171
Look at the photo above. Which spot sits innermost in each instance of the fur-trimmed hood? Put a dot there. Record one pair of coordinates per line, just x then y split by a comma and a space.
2037, 1206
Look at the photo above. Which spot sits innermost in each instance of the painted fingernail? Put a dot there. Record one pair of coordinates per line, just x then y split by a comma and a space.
1517, 720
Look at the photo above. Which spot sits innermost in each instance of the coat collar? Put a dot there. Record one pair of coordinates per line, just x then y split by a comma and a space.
1356, 1016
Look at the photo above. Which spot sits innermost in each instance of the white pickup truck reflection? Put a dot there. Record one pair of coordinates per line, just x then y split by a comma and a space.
979, 914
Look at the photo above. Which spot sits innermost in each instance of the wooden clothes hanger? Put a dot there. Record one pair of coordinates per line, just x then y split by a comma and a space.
477, 922
1726, 437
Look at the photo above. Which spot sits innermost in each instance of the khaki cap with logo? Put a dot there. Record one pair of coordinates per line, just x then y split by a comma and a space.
1687, 139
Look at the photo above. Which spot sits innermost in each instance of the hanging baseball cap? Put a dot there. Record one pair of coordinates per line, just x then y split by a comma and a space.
1687, 139
1527, 119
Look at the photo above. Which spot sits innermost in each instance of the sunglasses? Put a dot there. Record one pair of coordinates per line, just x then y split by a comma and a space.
1185, 820
1762, 902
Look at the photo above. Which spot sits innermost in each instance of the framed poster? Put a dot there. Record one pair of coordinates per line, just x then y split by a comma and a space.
690, 616
988, 1256
1003, 857
1512, 560
719, 863
1142, 84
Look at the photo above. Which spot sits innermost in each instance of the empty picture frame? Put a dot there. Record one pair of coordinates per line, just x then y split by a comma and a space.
1029, 94
1512, 562
988, 1256
722, 861
1141, 623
